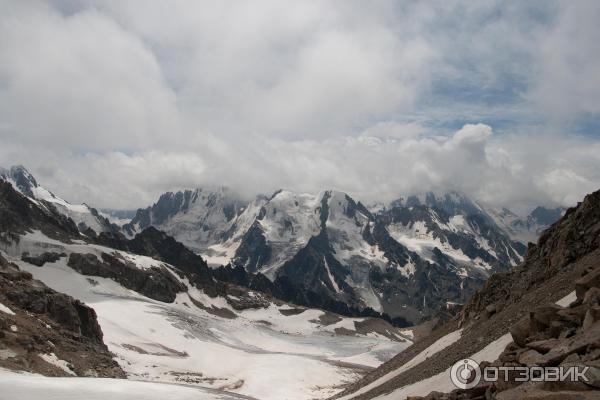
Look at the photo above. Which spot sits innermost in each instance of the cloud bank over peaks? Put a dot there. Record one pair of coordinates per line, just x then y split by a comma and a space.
505, 171
113, 103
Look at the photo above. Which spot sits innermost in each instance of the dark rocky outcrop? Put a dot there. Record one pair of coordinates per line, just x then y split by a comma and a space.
155, 282
40, 260
158, 245
253, 250
45, 322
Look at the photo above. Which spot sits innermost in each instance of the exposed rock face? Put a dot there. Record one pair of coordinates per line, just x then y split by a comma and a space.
156, 244
46, 322
155, 283
253, 249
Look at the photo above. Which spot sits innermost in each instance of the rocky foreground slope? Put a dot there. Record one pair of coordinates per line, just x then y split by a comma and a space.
513, 321
550, 336
41, 328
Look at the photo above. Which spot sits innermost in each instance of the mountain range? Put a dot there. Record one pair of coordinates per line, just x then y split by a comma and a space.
408, 259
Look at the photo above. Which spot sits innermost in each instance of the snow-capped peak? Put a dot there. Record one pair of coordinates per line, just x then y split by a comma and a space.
84, 216
20, 178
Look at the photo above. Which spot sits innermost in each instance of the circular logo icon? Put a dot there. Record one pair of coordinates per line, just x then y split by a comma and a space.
465, 374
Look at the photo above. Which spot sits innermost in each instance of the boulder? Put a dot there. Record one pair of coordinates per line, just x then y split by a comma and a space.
531, 358
531, 392
586, 282
591, 316
490, 310
521, 331
593, 376
544, 316
592, 296
544, 346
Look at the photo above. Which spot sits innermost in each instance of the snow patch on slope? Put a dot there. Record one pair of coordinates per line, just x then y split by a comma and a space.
6, 310
57, 362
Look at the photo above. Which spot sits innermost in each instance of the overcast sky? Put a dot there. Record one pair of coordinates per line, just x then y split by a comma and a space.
114, 102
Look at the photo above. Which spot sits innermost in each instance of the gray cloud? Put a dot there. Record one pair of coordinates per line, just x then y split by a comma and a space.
113, 103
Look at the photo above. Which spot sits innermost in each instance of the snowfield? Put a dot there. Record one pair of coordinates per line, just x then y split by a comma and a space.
278, 352
22, 386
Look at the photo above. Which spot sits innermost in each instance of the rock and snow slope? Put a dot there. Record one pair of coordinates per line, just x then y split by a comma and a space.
197, 218
408, 260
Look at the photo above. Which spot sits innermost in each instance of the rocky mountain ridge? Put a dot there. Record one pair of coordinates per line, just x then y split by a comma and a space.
337, 249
